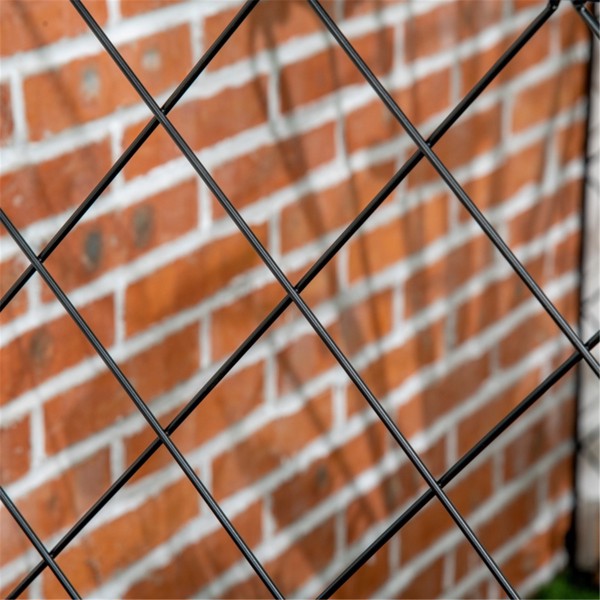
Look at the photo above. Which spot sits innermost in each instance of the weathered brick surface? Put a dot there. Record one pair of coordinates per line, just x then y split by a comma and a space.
435, 323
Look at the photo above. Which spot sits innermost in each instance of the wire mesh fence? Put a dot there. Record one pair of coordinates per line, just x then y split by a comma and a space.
425, 150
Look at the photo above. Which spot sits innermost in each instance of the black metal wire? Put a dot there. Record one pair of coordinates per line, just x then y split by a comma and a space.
588, 18
350, 230
458, 191
293, 291
325, 258
35, 540
302, 306
141, 406
130, 151
458, 467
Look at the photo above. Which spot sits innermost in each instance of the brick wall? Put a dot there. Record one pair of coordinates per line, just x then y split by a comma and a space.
437, 324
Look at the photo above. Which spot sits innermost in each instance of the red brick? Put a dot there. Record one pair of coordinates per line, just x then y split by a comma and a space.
327, 475
543, 100
472, 488
365, 322
382, 247
15, 450
467, 561
268, 25
449, 391
391, 493
392, 368
303, 360
372, 507
422, 531
537, 551
232, 400
532, 333
90, 88
570, 142
323, 287
411, 416
249, 589
353, 8
13, 543
201, 122
188, 280
39, 191
198, 564
49, 349
138, 442
443, 27
328, 71
541, 437
474, 136
84, 410
256, 175
477, 591
232, 323
512, 174
374, 123
132, 8
476, 425
6, 118
572, 29
307, 557
318, 213
474, 67
36, 23
442, 278
521, 5
97, 404
536, 221
428, 583
95, 557
560, 478
10, 270
369, 578
229, 402
7, 585
567, 255
57, 503
569, 308
269, 447
370, 125
465, 141
368, 183
126, 539
114, 239
515, 516
495, 302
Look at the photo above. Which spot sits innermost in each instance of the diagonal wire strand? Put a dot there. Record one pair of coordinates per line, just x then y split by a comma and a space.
588, 18
458, 467
317, 267
37, 543
302, 306
127, 155
142, 407
458, 191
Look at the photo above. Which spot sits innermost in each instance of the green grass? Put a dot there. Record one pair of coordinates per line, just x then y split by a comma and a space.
568, 586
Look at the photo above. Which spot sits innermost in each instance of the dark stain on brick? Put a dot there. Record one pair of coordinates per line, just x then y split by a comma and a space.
40, 347
143, 225
322, 477
93, 250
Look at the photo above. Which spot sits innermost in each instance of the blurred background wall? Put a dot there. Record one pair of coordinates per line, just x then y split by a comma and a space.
437, 324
